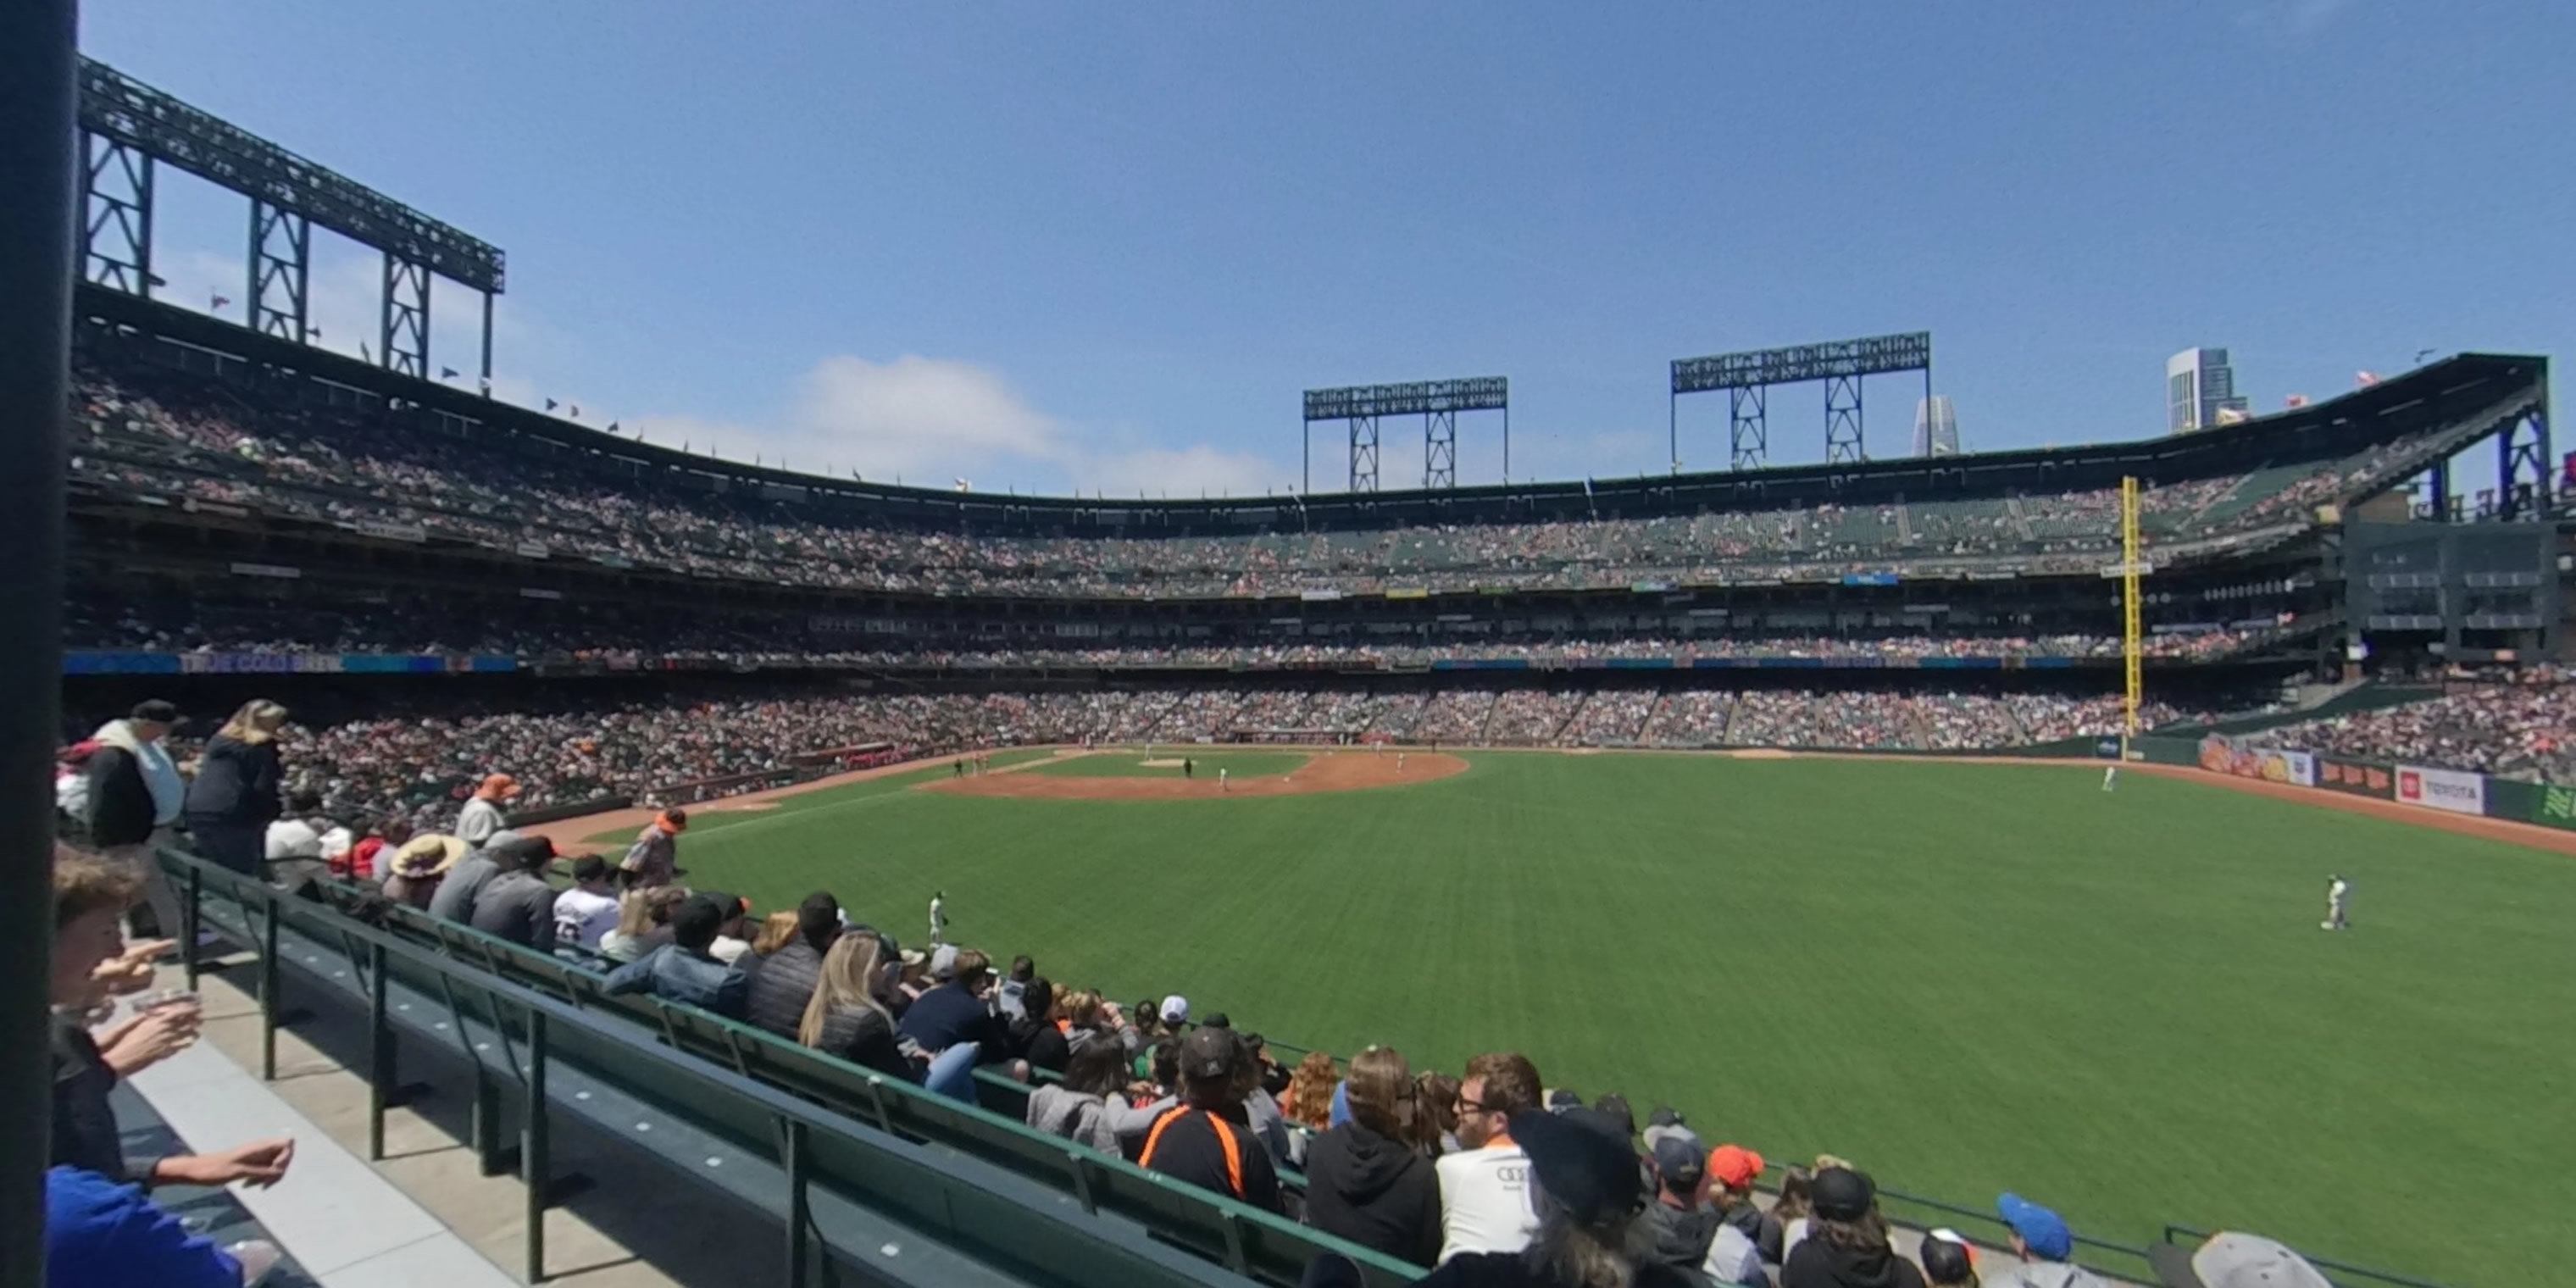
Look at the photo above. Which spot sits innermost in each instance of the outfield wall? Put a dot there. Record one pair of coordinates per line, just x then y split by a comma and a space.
2449, 791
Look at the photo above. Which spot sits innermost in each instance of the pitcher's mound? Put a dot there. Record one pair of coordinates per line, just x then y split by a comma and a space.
1163, 763
1338, 771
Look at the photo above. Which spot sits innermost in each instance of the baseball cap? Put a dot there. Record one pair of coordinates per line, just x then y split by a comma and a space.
156, 711
1657, 1133
818, 916
532, 852
696, 920
501, 785
1841, 1194
2043, 1230
1563, 1101
1678, 1160
1209, 1054
590, 867
1734, 1166
943, 963
1175, 1009
1946, 1258
2230, 1260
1616, 1106
731, 905
1582, 1161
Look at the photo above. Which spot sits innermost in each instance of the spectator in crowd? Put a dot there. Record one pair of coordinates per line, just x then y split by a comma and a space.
586, 913
463, 887
71, 789
1078, 1107
518, 904
481, 818
1732, 1170
1793, 1206
1484, 1187
100, 1233
1588, 1202
955, 1013
420, 866
733, 938
654, 859
1175, 1011
842, 1016
1206, 1140
1365, 1180
2046, 1247
1306, 1103
683, 970
1023, 969
1847, 1246
91, 898
643, 923
1948, 1261
2231, 1260
1033, 1034
782, 987
360, 864
132, 798
292, 846
1436, 1094
1680, 1219
235, 795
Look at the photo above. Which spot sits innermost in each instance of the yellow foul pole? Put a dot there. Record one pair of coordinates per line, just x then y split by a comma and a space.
2130, 633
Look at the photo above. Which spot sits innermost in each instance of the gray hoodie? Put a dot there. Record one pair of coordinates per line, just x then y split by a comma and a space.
1076, 1116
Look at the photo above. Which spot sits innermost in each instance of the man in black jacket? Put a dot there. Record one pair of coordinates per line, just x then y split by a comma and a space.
783, 982
1207, 1139
135, 795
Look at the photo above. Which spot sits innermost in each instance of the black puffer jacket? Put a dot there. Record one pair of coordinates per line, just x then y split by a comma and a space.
781, 984
1818, 1264
236, 784
1374, 1191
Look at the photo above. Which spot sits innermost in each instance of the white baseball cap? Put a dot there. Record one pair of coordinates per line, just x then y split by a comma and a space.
1176, 1009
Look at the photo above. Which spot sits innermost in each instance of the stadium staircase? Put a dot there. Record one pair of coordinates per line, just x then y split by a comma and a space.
2020, 517
1556, 735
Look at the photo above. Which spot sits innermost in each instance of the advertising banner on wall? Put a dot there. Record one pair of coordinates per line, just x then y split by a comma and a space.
2356, 778
2556, 806
2222, 756
2446, 789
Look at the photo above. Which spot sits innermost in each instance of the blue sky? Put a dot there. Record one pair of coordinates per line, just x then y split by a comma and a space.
1073, 245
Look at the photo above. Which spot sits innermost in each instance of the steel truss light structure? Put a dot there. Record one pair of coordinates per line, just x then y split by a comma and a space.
1841, 365
1438, 402
129, 129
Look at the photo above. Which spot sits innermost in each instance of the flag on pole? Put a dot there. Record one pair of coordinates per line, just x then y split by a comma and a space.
551, 404
221, 300
363, 355
156, 279
447, 373
2365, 379
576, 411
2295, 400
2230, 415
612, 428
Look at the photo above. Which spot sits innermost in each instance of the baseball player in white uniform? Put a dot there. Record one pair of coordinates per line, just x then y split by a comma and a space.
2338, 904
938, 918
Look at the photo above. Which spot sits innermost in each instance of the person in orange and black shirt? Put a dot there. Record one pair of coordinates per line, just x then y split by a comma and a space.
1207, 1139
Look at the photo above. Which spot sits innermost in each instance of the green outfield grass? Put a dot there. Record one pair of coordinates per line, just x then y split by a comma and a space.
1965, 977
1122, 764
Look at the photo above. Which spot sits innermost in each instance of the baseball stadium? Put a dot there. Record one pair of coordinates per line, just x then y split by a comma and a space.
2169, 829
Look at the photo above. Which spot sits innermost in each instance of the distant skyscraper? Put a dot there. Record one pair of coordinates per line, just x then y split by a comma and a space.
1936, 427
2198, 385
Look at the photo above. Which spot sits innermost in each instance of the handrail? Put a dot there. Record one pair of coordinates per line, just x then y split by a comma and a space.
807, 1120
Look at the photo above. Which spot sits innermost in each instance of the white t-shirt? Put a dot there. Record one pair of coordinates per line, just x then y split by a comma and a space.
1485, 1201
728, 949
1732, 1258
293, 838
584, 918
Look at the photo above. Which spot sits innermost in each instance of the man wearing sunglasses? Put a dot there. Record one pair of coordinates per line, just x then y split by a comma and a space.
1484, 1187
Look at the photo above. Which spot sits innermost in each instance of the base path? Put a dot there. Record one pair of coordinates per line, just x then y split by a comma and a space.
1342, 771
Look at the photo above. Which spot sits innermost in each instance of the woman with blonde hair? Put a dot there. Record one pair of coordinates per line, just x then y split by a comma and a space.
643, 918
235, 795
777, 930
1365, 1180
844, 1017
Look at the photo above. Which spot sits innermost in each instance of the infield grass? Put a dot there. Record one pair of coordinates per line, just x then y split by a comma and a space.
1964, 977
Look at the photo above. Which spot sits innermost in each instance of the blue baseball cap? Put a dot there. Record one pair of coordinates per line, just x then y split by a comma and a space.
2043, 1231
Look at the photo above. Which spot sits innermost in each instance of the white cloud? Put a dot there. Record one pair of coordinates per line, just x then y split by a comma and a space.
928, 420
